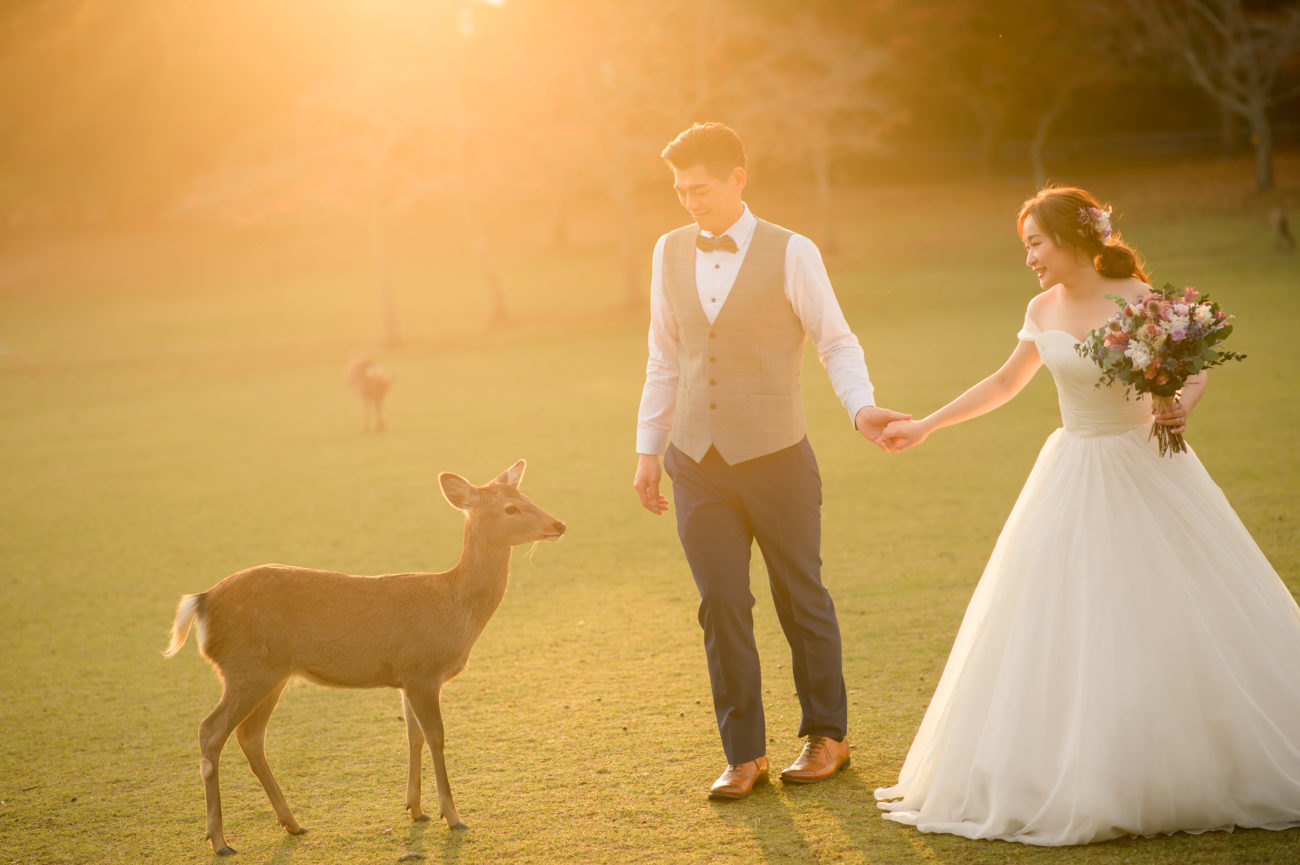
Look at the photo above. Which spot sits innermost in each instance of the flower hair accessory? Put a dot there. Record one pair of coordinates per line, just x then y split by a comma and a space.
1095, 221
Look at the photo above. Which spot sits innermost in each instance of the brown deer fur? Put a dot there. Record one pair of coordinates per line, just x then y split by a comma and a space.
371, 383
262, 626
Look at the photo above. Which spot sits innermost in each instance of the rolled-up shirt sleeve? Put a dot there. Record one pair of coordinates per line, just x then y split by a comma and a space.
659, 395
808, 287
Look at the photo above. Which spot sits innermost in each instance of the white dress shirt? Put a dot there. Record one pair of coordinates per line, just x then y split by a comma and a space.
807, 287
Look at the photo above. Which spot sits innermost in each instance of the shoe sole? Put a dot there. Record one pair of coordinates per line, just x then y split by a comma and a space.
797, 780
733, 797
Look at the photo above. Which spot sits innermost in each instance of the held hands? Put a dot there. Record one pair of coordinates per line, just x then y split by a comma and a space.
646, 484
874, 421
903, 434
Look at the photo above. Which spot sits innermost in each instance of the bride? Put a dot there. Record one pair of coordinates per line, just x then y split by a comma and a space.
1129, 663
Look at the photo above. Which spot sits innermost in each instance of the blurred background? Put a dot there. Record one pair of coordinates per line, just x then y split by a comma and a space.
209, 211
483, 125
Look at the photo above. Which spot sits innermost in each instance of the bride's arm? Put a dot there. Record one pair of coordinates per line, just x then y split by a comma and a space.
1176, 416
990, 393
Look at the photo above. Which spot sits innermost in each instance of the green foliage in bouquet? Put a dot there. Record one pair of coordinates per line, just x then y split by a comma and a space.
1155, 343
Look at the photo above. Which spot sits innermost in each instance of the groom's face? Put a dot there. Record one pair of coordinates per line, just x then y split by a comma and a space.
714, 203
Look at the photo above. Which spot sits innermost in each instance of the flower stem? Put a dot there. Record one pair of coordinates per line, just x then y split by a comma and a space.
1170, 442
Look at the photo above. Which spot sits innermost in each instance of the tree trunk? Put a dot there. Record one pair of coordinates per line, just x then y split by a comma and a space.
391, 334
821, 166
560, 193
477, 240
1262, 133
1038, 145
1229, 132
628, 255
990, 119
500, 315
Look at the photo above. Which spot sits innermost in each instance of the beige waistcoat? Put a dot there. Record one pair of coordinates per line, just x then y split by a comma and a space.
738, 380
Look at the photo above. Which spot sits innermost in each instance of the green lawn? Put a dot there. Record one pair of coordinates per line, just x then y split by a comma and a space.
172, 409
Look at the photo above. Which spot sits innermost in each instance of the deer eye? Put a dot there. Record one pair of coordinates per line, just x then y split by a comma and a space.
512, 510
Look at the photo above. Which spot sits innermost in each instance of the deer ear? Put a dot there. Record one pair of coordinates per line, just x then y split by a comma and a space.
458, 491
512, 475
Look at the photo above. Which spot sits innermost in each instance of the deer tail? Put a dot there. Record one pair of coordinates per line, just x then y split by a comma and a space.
186, 612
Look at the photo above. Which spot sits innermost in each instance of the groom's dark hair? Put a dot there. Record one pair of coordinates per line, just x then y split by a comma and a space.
714, 145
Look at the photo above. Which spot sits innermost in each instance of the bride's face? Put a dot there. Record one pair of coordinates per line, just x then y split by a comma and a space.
1051, 262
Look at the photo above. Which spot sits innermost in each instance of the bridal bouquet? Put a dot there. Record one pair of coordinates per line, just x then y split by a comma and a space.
1154, 344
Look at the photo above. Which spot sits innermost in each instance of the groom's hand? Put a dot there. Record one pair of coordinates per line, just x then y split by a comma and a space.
646, 483
871, 422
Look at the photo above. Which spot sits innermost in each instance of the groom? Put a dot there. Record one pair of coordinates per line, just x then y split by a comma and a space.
733, 299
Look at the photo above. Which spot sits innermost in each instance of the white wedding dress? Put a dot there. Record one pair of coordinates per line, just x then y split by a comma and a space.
1129, 663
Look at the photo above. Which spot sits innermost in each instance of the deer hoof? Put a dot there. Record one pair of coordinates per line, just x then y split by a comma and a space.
459, 826
301, 830
423, 818
226, 851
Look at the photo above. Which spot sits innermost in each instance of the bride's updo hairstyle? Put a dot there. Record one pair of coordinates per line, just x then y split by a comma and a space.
1073, 218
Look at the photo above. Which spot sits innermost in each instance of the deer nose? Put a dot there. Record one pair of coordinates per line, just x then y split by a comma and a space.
558, 528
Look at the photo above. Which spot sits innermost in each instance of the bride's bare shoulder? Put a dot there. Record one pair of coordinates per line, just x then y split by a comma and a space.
1132, 288
1041, 302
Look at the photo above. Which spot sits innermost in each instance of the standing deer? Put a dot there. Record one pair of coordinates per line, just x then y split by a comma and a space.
264, 625
371, 382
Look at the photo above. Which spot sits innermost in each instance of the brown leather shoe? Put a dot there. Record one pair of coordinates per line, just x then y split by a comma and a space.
820, 759
738, 781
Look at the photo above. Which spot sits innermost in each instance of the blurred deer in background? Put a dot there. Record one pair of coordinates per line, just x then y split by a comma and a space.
368, 379
1282, 238
264, 625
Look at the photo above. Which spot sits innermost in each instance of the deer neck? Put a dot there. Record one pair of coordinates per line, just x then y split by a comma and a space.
482, 573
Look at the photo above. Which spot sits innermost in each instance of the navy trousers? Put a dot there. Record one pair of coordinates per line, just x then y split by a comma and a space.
721, 510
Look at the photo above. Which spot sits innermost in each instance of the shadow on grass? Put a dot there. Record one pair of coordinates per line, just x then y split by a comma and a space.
452, 840
284, 854
767, 816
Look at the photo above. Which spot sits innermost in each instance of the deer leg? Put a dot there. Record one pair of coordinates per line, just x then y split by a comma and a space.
415, 738
237, 703
424, 702
252, 738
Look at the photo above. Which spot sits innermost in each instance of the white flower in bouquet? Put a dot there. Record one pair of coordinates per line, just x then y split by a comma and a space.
1152, 347
1139, 354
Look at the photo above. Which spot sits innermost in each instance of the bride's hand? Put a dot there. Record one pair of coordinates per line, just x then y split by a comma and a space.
1174, 417
872, 420
903, 434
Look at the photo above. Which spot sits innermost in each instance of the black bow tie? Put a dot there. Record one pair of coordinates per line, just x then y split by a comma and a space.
708, 244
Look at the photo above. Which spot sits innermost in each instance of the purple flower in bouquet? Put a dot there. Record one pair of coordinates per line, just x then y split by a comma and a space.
1153, 345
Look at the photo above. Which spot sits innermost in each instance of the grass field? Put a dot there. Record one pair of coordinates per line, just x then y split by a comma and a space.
172, 409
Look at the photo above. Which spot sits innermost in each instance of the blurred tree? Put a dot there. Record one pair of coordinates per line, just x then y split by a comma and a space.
962, 49
402, 122
601, 88
805, 92
1014, 65
1235, 51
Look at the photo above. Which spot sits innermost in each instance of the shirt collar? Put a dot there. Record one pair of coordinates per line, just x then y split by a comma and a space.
742, 229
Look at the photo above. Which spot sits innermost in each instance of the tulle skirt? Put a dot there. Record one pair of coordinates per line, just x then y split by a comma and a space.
1129, 664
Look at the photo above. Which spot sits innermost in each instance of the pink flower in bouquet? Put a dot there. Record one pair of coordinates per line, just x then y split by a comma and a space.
1155, 343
